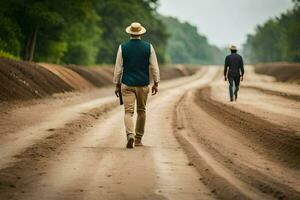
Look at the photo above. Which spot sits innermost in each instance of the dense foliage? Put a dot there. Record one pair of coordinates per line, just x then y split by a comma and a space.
186, 45
75, 31
117, 14
276, 40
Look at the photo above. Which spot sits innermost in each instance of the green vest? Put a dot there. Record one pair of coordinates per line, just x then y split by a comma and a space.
136, 54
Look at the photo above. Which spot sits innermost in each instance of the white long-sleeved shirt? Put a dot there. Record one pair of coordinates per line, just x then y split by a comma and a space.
153, 66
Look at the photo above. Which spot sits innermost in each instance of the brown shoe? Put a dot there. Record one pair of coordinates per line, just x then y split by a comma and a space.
138, 142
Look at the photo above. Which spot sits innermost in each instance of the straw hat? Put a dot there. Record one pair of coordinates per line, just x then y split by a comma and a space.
135, 29
232, 47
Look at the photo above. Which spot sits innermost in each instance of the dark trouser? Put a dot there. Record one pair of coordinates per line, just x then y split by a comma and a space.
236, 81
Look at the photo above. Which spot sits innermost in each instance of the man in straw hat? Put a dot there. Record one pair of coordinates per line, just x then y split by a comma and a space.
136, 59
235, 73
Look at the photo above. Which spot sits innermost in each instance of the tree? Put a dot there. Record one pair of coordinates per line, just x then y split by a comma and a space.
186, 45
277, 39
43, 20
10, 36
117, 15
75, 31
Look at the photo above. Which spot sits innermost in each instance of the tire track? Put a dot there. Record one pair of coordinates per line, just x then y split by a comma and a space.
64, 119
223, 182
262, 132
16, 143
108, 172
30, 164
215, 155
276, 93
227, 176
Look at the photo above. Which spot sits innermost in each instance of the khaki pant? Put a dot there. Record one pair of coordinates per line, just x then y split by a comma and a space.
131, 95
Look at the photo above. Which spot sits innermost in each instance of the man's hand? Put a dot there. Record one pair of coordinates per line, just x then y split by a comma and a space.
225, 78
118, 90
242, 78
154, 89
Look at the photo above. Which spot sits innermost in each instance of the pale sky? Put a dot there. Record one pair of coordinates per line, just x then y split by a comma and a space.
224, 22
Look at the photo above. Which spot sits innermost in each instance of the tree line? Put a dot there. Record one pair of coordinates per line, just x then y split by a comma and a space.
276, 40
86, 32
74, 31
186, 45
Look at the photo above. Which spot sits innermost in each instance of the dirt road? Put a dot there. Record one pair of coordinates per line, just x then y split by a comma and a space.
197, 144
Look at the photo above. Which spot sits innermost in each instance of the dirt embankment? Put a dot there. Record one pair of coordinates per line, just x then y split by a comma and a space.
168, 72
22, 80
284, 72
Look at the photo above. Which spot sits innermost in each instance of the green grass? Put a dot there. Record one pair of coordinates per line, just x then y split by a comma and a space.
4, 54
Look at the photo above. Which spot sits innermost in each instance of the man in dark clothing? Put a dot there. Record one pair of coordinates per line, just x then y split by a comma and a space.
235, 73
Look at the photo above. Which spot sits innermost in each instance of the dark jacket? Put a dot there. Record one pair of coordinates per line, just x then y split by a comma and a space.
235, 64
136, 55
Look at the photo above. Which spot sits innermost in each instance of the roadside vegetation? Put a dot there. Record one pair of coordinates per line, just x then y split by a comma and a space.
277, 39
73, 31
187, 45
89, 32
